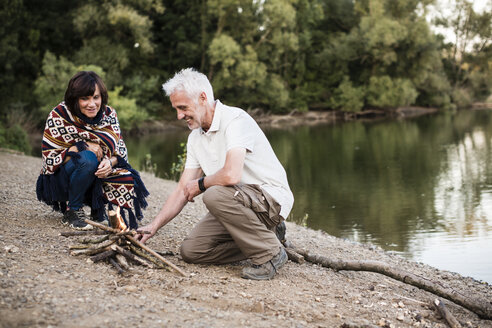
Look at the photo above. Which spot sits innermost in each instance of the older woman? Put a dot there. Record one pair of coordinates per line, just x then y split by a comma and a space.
85, 160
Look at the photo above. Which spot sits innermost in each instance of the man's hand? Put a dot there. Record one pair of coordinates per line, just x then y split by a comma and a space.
191, 190
143, 237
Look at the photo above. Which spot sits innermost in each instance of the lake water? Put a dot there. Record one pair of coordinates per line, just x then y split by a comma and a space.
421, 188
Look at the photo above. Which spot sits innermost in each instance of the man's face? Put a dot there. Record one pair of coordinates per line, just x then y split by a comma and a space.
187, 109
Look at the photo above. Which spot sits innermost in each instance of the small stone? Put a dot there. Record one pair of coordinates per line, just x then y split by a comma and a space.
259, 307
131, 289
11, 249
400, 304
400, 317
215, 295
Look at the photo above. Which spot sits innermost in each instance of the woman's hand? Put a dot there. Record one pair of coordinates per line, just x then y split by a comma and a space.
95, 148
104, 168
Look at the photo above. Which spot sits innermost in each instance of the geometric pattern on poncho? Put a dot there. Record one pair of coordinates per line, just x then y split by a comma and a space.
63, 130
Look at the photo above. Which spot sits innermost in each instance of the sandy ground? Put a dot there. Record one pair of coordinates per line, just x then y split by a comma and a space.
41, 285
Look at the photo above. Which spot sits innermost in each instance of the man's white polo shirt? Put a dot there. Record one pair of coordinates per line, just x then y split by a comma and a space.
231, 128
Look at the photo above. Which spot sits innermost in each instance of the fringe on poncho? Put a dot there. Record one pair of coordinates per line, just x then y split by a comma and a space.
123, 187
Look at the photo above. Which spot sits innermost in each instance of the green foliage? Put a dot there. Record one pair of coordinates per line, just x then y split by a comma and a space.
278, 55
385, 92
461, 98
149, 166
15, 137
128, 112
468, 59
347, 97
178, 167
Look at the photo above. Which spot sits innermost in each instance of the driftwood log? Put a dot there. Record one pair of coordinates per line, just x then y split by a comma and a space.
445, 314
483, 308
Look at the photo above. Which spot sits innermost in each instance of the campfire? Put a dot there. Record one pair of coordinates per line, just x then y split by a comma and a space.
117, 245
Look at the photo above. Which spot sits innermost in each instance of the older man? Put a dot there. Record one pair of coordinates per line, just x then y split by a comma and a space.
244, 186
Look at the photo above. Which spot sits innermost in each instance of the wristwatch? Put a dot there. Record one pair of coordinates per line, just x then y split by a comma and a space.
201, 185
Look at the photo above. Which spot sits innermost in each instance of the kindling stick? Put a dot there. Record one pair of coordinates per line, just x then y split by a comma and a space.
139, 244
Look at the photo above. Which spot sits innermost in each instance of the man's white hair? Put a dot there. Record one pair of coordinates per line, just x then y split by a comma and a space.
192, 82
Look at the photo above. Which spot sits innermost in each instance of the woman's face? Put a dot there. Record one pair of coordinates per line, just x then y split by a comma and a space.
90, 105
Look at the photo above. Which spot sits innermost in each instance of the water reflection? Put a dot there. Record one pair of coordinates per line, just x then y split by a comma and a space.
422, 188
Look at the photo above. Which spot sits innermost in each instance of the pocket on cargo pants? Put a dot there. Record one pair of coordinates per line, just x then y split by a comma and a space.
265, 207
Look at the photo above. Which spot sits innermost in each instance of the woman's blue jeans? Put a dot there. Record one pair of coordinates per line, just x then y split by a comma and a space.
80, 172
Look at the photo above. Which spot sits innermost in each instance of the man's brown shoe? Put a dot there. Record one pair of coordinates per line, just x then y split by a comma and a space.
267, 270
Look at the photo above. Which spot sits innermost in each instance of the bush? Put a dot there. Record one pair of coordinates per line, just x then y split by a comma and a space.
347, 97
385, 92
461, 98
129, 114
14, 137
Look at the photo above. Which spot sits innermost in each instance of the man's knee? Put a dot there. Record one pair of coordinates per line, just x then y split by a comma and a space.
214, 195
188, 252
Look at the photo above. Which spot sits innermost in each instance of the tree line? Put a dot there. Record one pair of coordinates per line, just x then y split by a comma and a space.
277, 55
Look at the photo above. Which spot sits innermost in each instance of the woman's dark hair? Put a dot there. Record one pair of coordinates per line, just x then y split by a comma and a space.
83, 84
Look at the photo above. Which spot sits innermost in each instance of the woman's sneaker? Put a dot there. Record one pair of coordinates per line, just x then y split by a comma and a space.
95, 218
75, 219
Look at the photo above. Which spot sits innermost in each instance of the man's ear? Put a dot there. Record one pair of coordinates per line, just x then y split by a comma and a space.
202, 98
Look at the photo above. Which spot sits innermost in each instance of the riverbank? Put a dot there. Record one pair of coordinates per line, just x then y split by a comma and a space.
42, 285
295, 118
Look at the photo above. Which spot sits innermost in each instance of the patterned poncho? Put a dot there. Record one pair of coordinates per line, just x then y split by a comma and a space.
123, 187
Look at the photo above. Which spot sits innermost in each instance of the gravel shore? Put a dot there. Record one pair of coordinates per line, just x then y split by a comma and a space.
41, 285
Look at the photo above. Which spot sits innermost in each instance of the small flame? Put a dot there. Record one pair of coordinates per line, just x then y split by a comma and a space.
116, 220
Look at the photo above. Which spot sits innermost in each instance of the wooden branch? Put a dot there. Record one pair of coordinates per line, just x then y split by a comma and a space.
166, 253
95, 241
294, 256
122, 261
94, 249
83, 233
79, 246
137, 251
101, 226
481, 307
116, 265
112, 230
102, 256
143, 246
446, 314
130, 255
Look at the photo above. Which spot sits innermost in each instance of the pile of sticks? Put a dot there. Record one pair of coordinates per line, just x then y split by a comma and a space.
118, 247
